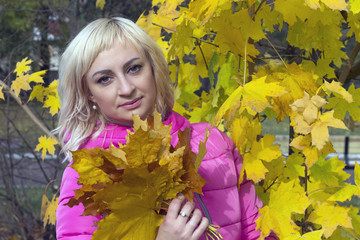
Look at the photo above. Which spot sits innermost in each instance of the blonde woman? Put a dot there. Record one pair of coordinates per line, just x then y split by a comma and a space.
112, 70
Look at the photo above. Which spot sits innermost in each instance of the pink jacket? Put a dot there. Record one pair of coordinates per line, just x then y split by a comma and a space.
233, 209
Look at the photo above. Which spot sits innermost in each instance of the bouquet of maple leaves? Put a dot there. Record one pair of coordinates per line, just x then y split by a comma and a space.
131, 186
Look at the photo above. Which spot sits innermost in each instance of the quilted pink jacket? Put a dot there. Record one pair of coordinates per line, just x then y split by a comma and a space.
233, 209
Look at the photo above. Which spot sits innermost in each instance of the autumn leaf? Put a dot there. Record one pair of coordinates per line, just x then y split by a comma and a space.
21, 83
320, 215
47, 145
262, 150
52, 102
100, 4
1, 93
319, 130
23, 66
313, 235
342, 105
290, 195
38, 93
129, 184
37, 77
48, 210
254, 95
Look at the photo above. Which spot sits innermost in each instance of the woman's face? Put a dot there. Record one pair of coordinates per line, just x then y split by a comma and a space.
122, 84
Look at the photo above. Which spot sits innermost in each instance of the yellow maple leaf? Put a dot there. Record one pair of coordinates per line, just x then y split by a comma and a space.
132, 203
354, 6
129, 184
47, 145
100, 4
23, 66
319, 130
335, 4
53, 102
38, 93
20, 83
342, 106
203, 10
37, 77
336, 87
340, 217
48, 210
314, 235
287, 199
254, 95
1, 93
262, 150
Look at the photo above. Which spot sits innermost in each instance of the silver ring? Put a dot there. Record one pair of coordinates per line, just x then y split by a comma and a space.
182, 214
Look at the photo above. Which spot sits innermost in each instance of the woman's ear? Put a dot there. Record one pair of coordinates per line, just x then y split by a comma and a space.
91, 98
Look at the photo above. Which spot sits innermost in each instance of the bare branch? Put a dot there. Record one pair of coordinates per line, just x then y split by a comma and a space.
27, 110
344, 76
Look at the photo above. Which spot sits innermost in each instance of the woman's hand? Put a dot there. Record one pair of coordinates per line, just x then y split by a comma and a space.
182, 222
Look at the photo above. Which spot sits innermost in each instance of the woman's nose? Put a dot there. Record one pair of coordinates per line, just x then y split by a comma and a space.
125, 87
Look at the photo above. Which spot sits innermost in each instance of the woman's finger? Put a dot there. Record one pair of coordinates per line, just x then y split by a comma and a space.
199, 231
186, 211
174, 207
193, 222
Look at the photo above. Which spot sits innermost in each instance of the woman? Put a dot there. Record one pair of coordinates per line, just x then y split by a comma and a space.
112, 70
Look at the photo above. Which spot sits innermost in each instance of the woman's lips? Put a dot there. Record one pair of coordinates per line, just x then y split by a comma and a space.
132, 104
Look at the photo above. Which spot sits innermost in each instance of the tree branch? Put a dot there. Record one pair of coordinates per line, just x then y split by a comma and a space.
27, 110
344, 75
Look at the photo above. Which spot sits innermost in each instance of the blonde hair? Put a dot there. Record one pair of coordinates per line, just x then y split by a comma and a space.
77, 120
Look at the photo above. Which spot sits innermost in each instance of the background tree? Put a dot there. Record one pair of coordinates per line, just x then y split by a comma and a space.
237, 63
37, 30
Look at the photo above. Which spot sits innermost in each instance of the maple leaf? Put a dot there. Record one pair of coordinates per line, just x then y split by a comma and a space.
20, 83
38, 93
36, 77
336, 87
336, 4
47, 145
1, 93
253, 95
23, 66
342, 105
320, 215
100, 4
290, 195
354, 6
48, 210
53, 102
307, 236
262, 150
129, 184
320, 132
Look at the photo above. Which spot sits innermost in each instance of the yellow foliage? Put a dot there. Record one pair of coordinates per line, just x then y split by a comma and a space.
129, 184
48, 210
275, 217
1, 93
21, 83
23, 66
100, 4
320, 215
47, 145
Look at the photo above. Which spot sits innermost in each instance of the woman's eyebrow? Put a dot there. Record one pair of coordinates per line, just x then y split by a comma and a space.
130, 62
101, 72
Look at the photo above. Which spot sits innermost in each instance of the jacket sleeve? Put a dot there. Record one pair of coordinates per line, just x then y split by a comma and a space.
249, 204
70, 225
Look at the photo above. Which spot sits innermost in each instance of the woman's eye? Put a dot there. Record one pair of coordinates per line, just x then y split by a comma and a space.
104, 80
134, 69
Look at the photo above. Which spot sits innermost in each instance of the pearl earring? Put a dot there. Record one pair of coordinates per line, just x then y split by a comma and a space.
94, 107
